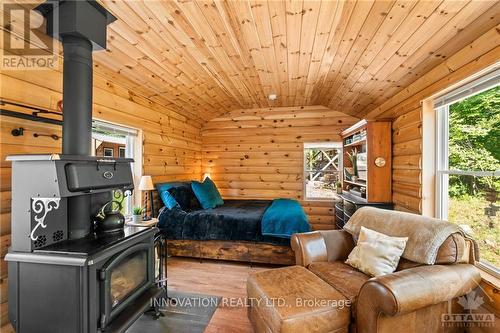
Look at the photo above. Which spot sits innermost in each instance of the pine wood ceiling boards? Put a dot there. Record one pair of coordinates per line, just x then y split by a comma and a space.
206, 58
348, 55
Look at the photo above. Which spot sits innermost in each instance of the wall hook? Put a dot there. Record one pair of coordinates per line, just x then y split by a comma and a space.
53, 136
17, 131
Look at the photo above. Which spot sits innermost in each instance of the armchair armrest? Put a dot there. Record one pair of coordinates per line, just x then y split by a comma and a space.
339, 244
412, 289
320, 246
309, 247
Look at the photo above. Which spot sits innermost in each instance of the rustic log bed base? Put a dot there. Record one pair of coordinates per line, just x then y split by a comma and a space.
229, 250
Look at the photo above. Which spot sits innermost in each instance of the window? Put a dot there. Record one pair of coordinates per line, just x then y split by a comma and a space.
322, 163
108, 152
468, 163
110, 140
121, 152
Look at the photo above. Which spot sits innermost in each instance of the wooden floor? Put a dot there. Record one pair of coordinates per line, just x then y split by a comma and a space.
221, 278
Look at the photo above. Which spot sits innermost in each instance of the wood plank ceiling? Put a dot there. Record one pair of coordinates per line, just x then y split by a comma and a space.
209, 57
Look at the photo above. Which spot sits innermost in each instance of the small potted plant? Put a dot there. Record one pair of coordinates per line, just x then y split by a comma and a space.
338, 186
137, 214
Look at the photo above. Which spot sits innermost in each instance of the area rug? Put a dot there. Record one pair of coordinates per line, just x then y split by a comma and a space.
187, 313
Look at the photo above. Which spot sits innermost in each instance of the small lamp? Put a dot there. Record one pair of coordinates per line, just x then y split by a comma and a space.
146, 184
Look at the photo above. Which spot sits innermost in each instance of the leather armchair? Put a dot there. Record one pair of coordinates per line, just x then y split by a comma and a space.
409, 300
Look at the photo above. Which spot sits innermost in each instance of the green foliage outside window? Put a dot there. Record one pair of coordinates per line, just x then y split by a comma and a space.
474, 145
474, 142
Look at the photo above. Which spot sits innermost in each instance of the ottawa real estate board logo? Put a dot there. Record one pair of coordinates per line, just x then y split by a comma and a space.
25, 46
472, 311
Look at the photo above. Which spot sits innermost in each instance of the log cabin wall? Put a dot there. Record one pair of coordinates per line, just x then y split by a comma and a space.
258, 153
171, 141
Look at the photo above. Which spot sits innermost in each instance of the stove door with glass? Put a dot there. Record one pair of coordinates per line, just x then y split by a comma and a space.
124, 278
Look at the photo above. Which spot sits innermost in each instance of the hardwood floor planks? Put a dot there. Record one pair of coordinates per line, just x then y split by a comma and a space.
218, 278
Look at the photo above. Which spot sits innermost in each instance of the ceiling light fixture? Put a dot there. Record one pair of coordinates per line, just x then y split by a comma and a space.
272, 97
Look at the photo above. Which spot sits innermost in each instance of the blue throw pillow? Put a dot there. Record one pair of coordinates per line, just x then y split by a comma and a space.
182, 193
168, 199
207, 193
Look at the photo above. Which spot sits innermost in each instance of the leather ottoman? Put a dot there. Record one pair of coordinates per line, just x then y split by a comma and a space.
293, 299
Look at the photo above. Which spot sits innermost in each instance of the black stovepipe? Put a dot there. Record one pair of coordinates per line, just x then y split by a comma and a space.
77, 122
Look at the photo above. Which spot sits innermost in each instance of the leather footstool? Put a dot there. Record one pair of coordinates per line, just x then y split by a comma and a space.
293, 299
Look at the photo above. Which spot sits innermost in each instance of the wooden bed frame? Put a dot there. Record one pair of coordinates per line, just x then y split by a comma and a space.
252, 252
231, 250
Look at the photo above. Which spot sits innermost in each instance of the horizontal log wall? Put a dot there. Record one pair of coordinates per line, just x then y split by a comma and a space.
407, 161
171, 142
258, 153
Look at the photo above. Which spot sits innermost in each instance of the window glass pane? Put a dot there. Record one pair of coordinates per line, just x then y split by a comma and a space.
474, 132
122, 152
474, 146
107, 152
472, 203
108, 141
121, 197
321, 171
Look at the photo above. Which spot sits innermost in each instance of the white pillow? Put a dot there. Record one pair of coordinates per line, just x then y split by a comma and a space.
375, 253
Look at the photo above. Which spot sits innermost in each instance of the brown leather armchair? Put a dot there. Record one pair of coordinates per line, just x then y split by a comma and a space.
412, 299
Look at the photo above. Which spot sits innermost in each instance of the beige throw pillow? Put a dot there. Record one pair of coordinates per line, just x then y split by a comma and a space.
376, 254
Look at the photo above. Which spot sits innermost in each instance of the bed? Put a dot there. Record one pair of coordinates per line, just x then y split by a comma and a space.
232, 231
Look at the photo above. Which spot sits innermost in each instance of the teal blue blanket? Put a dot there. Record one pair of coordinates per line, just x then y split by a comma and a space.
283, 218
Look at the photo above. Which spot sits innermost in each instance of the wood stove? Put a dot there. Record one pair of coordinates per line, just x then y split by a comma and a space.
63, 276
97, 283
100, 283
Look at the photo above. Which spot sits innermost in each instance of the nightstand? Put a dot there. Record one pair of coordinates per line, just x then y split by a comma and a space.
149, 223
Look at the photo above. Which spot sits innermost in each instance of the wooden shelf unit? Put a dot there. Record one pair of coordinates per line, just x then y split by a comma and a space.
372, 138
356, 143
361, 184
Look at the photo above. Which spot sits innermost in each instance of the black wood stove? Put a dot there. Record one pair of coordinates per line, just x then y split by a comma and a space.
101, 282
63, 275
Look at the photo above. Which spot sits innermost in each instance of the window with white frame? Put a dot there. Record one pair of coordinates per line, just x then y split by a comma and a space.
468, 163
322, 170
108, 152
105, 135
121, 152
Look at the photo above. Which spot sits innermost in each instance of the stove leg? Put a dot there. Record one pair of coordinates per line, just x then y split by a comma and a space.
154, 312
162, 281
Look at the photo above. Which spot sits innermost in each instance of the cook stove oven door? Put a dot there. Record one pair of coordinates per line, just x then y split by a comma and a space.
124, 278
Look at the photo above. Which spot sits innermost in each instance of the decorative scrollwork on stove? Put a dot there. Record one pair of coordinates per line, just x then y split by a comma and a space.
41, 207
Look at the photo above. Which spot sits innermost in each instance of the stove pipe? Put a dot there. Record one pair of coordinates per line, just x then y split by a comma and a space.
77, 122
81, 27
77, 96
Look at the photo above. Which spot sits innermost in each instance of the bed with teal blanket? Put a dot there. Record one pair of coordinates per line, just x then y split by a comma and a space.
261, 221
